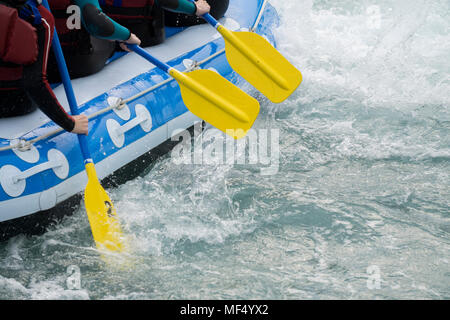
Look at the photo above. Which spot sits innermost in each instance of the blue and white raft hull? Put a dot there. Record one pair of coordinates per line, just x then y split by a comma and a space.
133, 108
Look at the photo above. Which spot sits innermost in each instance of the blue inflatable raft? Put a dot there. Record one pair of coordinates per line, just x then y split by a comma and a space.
134, 108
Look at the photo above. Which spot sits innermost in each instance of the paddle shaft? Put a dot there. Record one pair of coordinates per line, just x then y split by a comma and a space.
144, 54
210, 19
172, 71
62, 67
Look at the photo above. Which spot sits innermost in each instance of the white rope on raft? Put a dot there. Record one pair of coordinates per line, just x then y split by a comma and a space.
24, 145
258, 19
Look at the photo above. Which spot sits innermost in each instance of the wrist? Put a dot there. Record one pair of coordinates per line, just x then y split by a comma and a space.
70, 125
195, 8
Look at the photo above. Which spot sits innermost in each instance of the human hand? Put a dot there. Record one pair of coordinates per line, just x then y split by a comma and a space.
202, 7
132, 40
81, 125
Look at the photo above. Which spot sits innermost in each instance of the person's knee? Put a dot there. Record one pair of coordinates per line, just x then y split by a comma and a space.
16, 103
218, 7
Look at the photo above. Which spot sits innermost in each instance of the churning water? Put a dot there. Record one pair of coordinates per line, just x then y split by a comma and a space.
358, 206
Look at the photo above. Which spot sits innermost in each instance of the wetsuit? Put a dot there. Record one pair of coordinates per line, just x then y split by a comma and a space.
98, 24
88, 49
101, 26
85, 49
145, 18
30, 88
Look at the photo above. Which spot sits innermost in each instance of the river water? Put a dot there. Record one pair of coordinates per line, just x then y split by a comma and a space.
351, 202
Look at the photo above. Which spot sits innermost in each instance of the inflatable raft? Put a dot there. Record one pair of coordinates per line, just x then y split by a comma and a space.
134, 110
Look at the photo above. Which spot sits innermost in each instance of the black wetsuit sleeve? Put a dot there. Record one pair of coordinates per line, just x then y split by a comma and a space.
37, 87
100, 25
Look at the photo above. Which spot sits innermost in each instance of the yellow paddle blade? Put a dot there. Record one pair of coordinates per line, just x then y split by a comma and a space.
217, 101
101, 214
257, 61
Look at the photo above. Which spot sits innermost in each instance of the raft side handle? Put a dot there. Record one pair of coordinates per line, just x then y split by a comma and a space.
13, 180
56, 162
117, 132
119, 107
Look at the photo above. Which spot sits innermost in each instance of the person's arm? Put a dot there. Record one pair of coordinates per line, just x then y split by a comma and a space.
99, 24
34, 77
40, 91
38, 88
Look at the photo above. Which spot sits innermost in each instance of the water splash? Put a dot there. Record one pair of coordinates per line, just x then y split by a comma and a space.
363, 183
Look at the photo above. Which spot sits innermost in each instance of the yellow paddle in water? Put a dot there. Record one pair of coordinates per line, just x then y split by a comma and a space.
99, 207
212, 98
257, 61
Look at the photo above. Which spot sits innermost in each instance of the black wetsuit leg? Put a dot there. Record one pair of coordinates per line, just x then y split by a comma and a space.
15, 103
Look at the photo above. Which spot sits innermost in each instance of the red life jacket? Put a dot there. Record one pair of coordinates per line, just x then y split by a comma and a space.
73, 41
18, 46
